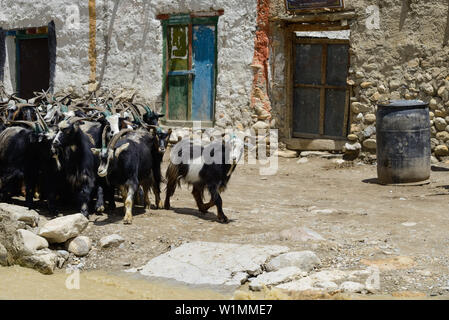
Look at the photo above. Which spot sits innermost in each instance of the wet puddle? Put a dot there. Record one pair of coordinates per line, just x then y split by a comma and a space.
17, 283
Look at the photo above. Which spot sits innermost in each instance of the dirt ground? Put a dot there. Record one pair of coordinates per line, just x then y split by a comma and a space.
402, 230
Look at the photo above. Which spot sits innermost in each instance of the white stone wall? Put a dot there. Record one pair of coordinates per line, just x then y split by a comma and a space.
72, 52
135, 59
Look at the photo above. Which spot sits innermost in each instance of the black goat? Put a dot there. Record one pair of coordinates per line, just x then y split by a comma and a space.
202, 167
130, 161
73, 145
25, 156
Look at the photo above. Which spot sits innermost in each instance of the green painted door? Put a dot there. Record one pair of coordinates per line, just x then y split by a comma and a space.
190, 68
178, 72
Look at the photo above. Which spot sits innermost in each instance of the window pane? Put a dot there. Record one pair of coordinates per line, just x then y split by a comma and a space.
306, 115
337, 64
335, 113
308, 63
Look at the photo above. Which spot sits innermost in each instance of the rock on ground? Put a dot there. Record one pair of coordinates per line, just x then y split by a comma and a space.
79, 246
273, 278
60, 230
314, 281
209, 263
63, 254
287, 154
29, 217
326, 285
44, 261
28, 243
113, 240
352, 287
304, 260
3, 256
300, 234
8, 227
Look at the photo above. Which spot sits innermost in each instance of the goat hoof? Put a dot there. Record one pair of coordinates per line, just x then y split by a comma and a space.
127, 221
100, 209
223, 219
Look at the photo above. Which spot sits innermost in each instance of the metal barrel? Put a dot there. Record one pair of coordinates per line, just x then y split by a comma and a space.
403, 142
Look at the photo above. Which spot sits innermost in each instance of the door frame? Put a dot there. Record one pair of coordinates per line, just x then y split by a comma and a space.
323, 86
26, 34
21, 37
190, 19
307, 143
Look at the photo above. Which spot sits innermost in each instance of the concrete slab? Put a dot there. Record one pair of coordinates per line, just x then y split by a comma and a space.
211, 264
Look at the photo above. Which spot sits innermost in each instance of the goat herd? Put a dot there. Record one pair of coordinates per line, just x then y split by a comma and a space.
64, 150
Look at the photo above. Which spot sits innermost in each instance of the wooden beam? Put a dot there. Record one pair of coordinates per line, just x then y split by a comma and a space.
92, 40
321, 40
317, 27
320, 17
319, 86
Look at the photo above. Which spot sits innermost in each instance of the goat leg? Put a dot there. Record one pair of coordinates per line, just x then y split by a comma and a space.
99, 206
197, 194
84, 196
157, 195
146, 196
171, 188
131, 189
216, 198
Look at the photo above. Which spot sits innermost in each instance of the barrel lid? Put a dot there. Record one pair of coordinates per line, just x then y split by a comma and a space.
404, 103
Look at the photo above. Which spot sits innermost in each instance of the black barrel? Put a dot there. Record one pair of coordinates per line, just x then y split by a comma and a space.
403, 142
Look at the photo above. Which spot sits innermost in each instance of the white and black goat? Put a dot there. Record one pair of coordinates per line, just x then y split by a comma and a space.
204, 167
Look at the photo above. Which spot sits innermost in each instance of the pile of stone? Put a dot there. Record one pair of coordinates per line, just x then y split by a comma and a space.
26, 238
226, 265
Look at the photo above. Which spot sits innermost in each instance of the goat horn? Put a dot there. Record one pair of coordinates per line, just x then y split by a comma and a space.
103, 136
76, 119
28, 123
116, 138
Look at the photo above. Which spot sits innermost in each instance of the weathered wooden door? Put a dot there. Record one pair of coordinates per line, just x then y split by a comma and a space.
33, 66
321, 95
190, 62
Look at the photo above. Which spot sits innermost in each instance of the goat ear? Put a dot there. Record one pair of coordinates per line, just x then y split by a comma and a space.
161, 115
95, 151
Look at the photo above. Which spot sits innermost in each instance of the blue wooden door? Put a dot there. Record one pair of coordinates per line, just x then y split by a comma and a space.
204, 51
